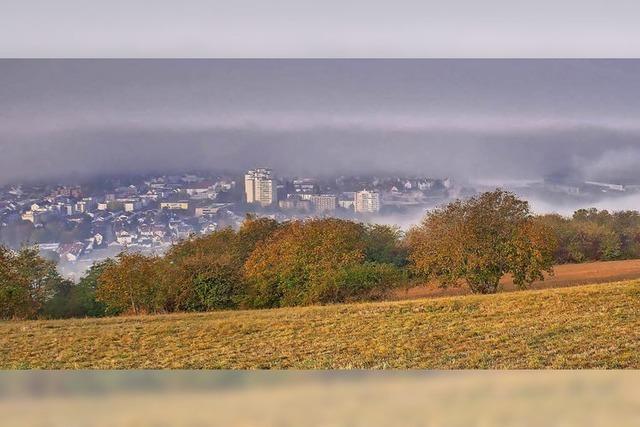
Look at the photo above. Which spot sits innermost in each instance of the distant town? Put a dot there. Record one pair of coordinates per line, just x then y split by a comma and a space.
78, 224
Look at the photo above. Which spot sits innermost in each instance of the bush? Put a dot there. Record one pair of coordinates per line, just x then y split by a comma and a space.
135, 284
64, 303
217, 289
78, 300
27, 281
383, 244
313, 261
209, 269
358, 282
592, 235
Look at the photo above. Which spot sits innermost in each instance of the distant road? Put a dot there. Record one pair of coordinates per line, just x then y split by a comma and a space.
565, 275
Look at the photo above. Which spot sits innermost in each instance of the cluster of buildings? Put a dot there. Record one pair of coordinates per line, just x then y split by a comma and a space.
92, 221
96, 220
305, 195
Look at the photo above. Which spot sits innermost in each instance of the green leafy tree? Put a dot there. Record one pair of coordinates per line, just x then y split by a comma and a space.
27, 281
479, 240
63, 302
253, 231
559, 226
591, 241
216, 286
313, 262
88, 286
78, 300
384, 244
135, 284
209, 269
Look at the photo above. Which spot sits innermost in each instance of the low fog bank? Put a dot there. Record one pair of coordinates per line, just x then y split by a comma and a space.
617, 203
576, 154
540, 204
467, 119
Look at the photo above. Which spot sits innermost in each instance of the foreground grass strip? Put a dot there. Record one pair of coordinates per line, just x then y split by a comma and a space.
595, 326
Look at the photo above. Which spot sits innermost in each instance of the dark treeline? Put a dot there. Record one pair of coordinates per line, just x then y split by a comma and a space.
268, 264
595, 235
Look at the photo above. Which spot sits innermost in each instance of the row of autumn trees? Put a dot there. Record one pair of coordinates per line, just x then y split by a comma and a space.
263, 264
266, 264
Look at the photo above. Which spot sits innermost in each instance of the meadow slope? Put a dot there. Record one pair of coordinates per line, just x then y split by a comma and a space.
593, 326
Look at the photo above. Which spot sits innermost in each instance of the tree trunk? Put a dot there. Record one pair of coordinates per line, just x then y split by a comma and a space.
484, 287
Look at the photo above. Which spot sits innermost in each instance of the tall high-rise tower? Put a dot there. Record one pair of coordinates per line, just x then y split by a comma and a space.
260, 187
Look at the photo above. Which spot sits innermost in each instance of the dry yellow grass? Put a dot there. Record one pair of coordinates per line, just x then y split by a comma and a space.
594, 326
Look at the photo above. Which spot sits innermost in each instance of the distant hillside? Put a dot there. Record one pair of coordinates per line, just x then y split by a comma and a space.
594, 326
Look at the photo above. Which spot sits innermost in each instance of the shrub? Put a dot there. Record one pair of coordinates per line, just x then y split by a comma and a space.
78, 300
384, 244
27, 281
135, 284
313, 261
209, 269
357, 282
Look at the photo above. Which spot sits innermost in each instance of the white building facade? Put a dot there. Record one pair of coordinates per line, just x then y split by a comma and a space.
260, 187
367, 201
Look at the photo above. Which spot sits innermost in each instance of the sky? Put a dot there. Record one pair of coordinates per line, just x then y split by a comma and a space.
471, 119
311, 28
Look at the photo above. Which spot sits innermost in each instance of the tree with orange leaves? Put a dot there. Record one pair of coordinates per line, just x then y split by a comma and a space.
479, 240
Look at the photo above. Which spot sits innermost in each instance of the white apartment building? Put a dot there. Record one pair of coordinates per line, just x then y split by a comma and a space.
125, 238
324, 202
131, 205
181, 205
347, 204
85, 205
260, 187
367, 201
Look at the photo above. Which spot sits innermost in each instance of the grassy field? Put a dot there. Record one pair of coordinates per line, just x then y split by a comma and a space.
593, 326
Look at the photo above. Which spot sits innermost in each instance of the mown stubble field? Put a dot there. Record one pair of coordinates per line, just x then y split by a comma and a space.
594, 326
